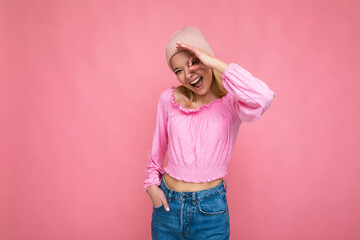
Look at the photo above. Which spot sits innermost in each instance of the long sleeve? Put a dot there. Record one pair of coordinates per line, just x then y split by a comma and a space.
251, 97
156, 154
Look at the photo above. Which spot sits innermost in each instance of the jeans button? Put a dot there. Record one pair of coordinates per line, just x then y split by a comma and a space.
184, 196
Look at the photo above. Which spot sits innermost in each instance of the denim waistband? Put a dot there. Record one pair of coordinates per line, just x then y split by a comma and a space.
197, 195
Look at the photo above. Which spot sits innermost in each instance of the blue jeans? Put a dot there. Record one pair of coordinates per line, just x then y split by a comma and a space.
193, 215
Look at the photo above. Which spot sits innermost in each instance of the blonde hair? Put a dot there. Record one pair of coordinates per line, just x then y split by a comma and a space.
216, 86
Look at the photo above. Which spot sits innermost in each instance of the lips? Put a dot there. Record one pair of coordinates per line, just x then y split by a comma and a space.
195, 80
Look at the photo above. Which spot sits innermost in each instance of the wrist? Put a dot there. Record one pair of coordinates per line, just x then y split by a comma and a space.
151, 187
219, 65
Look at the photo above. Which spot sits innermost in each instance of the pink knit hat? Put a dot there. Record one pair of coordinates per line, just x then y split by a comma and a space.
188, 35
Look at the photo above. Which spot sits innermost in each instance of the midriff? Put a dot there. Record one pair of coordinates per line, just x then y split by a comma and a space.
182, 186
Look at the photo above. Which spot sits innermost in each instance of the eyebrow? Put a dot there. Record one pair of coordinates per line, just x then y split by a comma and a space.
178, 67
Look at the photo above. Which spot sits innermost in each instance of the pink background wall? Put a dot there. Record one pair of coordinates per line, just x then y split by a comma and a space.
79, 84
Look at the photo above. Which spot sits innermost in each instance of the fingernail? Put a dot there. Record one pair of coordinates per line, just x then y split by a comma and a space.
167, 209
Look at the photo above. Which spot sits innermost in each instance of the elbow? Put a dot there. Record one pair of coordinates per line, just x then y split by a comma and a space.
253, 113
267, 100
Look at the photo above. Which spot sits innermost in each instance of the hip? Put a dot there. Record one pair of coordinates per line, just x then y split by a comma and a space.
200, 214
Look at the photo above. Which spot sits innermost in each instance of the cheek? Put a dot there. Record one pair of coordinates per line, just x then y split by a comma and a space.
208, 77
180, 78
206, 73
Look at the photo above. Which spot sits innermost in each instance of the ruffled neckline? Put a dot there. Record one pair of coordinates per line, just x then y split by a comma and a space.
187, 110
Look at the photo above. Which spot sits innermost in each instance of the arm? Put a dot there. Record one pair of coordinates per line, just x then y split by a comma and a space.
156, 154
251, 97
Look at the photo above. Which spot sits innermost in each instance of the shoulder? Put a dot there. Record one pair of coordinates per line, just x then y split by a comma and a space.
178, 96
172, 94
165, 98
165, 95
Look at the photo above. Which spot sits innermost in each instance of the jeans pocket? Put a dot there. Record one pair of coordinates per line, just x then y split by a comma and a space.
213, 205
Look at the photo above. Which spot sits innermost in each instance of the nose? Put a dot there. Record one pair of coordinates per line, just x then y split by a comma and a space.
188, 73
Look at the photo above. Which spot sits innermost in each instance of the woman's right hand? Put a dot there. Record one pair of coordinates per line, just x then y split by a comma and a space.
157, 197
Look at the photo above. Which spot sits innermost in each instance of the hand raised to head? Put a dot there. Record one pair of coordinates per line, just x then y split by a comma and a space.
205, 58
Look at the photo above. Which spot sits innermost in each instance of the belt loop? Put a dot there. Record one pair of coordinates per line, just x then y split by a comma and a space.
193, 198
225, 185
169, 196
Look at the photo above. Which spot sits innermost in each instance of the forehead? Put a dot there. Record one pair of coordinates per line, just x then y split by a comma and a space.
180, 59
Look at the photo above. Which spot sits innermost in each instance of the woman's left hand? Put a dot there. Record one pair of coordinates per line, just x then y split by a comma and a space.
204, 57
199, 53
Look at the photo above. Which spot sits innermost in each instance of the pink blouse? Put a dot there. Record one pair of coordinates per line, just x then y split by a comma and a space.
199, 142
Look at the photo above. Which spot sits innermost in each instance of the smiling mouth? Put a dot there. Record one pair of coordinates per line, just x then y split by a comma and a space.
197, 83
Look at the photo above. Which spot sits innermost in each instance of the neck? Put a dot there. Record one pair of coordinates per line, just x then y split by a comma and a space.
205, 99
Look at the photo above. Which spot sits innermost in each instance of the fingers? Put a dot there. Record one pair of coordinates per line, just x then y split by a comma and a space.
195, 67
158, 197
156, 201
197, 54
191, 60
158, 204
164, 201
187, 47
194, 50
154, 195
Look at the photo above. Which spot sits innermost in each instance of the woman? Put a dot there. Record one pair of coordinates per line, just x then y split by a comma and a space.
197, 124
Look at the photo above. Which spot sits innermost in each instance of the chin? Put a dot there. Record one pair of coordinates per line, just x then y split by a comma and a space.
203, 91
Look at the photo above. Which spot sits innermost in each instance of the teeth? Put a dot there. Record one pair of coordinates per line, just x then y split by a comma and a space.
195, 81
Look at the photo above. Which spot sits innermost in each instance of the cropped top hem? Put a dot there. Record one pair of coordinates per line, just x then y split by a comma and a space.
196, 175
188, 110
